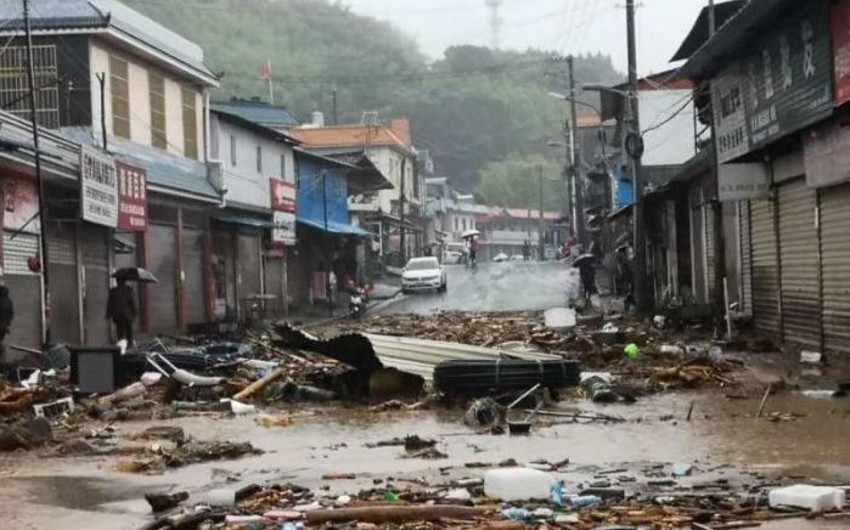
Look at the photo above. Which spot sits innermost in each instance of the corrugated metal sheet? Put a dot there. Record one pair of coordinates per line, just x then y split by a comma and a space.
746, 296
93, 243
835, 259
64, 279
765, 268
420, 357
798, 244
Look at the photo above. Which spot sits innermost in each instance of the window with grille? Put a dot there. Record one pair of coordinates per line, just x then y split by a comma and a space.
120, 89
190, 124
157, 94
14, 84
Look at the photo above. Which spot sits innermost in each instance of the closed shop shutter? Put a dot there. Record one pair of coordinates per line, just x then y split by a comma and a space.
24, 288
162, 262
193, 256
274, 286
798, 245
249, 265
710, 250
746, 258
835, 264
697, 246
765, 268
64, 307
93, 243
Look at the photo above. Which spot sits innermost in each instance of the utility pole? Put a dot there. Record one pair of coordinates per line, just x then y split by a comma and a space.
402, 234
101, 79
542, 229
335, 115
719, 239
325, 247
39, 178
577, 174
712, 20
640, 281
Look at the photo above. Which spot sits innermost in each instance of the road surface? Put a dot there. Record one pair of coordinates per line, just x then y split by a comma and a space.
514, 286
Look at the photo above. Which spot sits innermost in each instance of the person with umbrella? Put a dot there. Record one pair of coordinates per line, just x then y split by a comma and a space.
121, 304
586, 265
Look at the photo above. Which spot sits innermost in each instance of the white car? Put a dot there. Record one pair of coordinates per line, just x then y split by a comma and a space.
423, 274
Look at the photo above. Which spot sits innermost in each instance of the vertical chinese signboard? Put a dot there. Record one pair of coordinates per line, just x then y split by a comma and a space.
782, 87
840, 21
283, 208
132, 197
98, 188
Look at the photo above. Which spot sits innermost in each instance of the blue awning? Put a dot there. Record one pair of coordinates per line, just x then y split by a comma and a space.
336, 228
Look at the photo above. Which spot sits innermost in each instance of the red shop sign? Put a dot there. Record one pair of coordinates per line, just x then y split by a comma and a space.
841, 50
283, 196
132, 197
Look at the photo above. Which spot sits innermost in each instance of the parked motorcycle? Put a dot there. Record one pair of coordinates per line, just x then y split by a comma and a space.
357, 301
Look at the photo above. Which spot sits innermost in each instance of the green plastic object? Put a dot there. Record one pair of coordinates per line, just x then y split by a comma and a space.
391, 496
632, 351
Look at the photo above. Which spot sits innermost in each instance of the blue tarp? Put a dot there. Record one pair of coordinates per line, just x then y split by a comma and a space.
314, 196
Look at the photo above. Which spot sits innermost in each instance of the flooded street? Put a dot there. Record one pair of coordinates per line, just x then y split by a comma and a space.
723, 440
510, 286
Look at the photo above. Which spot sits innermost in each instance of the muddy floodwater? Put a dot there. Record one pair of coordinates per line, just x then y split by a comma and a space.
723, 439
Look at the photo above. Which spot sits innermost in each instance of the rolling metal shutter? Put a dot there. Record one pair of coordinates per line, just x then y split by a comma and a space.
746, 258
249, 265
64, 306
24, 288
710, 235
835, 260
798, 245
274, 285
193, 255
765, 268
162, 262
698, 287
93, 243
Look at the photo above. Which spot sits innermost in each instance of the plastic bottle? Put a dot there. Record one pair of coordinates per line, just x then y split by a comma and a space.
517, 484
516, 514
584, 501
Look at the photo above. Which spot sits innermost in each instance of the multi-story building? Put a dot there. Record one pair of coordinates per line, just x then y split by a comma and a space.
390, 149
134, 96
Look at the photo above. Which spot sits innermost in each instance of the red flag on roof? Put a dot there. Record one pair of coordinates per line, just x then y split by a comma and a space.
265, 72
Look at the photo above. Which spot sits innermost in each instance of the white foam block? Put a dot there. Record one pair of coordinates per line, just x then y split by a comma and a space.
814, 498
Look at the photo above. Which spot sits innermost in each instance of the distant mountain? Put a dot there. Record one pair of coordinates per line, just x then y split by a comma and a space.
471, 109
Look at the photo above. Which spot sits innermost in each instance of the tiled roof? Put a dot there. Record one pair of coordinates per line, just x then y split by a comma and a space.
164, 169
396, 135
275, 117
57, 15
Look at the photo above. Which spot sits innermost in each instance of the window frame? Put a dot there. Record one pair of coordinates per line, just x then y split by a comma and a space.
120, 97
159, 138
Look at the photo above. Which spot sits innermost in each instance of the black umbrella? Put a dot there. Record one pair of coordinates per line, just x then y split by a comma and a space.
135, 274
581, 259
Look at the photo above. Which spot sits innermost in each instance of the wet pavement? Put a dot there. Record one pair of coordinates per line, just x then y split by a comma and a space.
66, 493
511, 286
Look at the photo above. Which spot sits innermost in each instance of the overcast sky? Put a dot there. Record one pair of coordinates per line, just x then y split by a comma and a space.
565, 26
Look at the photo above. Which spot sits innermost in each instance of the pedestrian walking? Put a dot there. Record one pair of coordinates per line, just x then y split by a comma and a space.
526, 250
587, 272
7, 314
121, 309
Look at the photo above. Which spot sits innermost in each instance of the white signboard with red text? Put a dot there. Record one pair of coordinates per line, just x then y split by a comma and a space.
283, 202
98, 188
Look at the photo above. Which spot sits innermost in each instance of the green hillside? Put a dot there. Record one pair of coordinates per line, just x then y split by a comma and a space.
474, 109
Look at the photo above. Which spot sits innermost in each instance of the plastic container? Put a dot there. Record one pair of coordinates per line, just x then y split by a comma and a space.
518, 484
814, 498
584, 501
